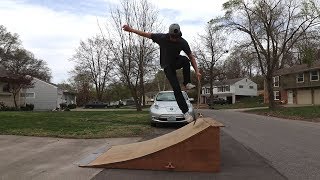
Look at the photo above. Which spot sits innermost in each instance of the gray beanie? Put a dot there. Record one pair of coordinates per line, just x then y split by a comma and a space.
174, 29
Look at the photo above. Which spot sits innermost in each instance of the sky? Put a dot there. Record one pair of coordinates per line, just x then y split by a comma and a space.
53, 29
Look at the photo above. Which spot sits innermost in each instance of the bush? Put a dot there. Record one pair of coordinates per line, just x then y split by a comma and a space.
63, 105
28, 107
3, 107
72, 106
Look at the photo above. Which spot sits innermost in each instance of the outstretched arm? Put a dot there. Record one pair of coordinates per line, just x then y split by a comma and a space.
194, 65
140, 33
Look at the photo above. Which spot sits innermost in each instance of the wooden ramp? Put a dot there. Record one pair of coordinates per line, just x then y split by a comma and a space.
194, 147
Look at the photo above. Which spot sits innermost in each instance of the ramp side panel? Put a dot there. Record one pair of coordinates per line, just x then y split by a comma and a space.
135, 150
198, 153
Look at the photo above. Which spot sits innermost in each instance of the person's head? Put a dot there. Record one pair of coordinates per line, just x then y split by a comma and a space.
174, 31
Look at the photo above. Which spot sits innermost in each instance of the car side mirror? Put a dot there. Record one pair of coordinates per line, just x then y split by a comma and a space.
191, 99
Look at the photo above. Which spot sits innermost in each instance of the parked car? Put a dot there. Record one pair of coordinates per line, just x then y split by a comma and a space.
213, 101
166, 110
95, 104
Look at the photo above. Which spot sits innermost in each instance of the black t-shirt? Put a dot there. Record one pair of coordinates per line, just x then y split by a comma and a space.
169, 50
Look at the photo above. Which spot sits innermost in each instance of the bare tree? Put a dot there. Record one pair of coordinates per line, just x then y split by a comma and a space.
242, 62
93, 57
273, 26
81, 81
209, 52
132, 54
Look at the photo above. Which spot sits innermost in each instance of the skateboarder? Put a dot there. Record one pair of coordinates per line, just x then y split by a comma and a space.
171, 44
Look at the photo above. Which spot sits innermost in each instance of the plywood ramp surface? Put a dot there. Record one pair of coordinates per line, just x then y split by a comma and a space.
168, 151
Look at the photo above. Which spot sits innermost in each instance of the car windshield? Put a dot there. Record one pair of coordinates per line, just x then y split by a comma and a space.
167, 96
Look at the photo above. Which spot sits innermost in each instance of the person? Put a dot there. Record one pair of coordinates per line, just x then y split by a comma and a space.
171, 44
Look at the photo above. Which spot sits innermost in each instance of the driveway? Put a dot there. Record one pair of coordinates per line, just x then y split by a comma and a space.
292, 147
237, 162
39, 158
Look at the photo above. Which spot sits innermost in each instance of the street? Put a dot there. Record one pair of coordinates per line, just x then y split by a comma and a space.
291, 147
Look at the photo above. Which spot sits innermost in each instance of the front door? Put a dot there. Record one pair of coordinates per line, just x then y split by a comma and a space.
290, 97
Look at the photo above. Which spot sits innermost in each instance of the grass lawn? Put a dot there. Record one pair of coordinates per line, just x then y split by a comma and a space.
307, 113
247, 102
70, 124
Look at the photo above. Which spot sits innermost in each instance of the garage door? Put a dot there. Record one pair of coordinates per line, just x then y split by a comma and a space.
316, 96
304, 97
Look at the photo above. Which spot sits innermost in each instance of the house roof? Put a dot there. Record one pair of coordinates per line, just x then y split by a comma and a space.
298, 68
226, 82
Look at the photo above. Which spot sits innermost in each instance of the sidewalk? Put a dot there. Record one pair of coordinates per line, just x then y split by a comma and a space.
39, 158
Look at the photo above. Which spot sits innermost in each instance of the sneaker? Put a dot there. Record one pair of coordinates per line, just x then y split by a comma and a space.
190, 86
188, 117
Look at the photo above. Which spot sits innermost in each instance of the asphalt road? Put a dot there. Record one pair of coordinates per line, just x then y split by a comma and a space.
237, 162
291, 147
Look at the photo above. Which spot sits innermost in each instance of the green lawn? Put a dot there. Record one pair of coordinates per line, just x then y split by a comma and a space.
307, 113
75, 124
247, 102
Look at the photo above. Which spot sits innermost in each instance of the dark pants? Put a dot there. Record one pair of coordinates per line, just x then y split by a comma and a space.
170, 71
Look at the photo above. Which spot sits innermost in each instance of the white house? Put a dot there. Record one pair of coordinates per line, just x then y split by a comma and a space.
47, 96
230, 89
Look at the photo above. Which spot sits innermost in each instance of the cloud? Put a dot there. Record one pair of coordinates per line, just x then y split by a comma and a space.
191, 15
94, 7
51, 35
169, 13
52, 29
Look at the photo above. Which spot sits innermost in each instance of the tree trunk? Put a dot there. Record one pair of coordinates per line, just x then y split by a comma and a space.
211, 82
136, 99
15, 100
269, 82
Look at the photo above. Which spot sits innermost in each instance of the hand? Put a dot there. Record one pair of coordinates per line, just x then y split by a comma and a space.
127, 28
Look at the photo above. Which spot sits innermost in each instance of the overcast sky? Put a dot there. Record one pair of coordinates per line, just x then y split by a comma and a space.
52, 29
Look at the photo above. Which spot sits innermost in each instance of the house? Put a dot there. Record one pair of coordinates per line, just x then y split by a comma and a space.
149, 97
5, 96
230, 89
44, 96
298, 84
47, 96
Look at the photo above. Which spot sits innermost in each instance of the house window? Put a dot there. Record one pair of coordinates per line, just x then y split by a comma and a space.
228, 88
276, 95
240, 86
314, 76
276, 81
251, 87
223, 88
6, 88
300, 78
28, 95
207, 90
